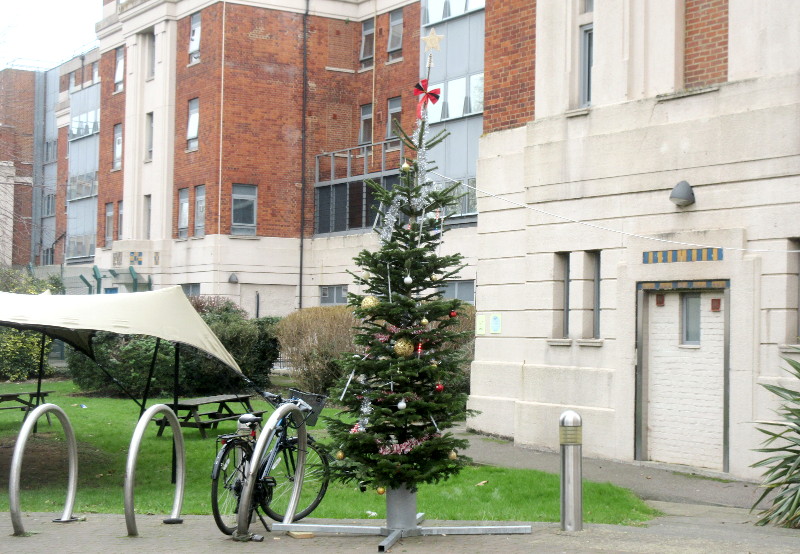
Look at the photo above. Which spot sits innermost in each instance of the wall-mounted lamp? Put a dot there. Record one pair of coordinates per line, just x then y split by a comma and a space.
233, 278
682, 195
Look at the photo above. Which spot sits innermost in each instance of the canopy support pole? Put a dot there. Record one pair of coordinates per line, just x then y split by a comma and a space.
39, 380
149, 378
175, 403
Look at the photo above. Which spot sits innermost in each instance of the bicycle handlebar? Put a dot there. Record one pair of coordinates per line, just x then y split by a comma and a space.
276, 400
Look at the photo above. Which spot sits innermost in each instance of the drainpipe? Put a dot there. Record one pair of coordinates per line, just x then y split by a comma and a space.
303, 155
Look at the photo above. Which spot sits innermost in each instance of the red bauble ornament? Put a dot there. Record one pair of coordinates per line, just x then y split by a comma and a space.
453, 313
439, 387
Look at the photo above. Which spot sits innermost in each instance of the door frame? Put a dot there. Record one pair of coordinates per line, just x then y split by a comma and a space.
642, 373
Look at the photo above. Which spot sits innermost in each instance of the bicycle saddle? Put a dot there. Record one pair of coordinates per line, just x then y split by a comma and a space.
248, 419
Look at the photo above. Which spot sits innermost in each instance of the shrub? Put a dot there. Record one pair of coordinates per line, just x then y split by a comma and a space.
127, 358
782, 445
20, 350
312, 339
465, 326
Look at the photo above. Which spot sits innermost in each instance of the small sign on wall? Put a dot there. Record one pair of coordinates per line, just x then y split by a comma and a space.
495, 322
480, 324
716, 304
660, 300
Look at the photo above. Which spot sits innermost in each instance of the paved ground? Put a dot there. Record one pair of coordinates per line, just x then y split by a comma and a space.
701, 514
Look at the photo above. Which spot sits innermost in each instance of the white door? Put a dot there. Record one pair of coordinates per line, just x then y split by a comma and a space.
685, 381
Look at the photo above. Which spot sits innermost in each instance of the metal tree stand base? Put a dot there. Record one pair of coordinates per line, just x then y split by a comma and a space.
402, 520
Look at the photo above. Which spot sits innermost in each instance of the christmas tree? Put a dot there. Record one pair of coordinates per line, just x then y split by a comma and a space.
397, 397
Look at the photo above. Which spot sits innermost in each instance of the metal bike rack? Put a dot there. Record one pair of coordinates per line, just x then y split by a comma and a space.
16, 466
133, 454
243, 519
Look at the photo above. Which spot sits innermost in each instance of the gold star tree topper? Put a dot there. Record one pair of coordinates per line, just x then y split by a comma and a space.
432, 40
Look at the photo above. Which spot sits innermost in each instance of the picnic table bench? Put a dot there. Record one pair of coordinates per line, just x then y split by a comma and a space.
208, 411
18, 401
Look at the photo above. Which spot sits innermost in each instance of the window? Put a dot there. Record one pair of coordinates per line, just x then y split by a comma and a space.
148, 214
119, 220
367, 43
200, 211
395, 109
365, 134
332, 295
436, 10
561, 308
191, 289
467, 202
150, 47
119, 70
690, 318
395, 44
345, 206
109, 224
71, 81
460, 97
95, 72
243, 221
593, 257
183, 213
194, 39
148, 139
193, 124
49, 205
117, 151
463, 290
586, 61
48, 256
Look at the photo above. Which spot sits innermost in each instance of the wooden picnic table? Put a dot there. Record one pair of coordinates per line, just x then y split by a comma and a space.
19, 402
208, 411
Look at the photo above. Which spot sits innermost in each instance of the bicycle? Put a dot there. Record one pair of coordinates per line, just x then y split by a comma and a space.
274, 485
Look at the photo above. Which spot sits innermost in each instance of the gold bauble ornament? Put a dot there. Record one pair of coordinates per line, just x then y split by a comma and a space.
404, 347
453, 455
405, 167
380, 490
424, 321
369, 302
435, 277
340, 455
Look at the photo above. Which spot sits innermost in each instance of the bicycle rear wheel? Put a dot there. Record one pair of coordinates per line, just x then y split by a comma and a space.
280, 479
227, 481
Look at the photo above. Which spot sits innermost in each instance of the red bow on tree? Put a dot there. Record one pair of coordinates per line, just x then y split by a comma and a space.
421, 90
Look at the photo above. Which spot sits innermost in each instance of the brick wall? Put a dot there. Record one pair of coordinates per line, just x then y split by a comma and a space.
109, 189
62, 176
509, 64
262, 113
706, 43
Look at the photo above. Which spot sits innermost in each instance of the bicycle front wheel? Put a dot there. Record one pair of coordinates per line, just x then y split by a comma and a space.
280, 479
227, 482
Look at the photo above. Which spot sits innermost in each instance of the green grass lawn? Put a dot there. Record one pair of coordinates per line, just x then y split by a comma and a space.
104, 428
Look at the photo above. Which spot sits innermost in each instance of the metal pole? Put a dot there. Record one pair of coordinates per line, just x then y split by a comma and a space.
570, 437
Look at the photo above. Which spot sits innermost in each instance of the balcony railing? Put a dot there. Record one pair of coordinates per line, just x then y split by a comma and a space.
367, 161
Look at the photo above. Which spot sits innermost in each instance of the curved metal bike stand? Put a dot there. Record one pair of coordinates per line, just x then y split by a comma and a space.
243, 519
16, 466
133, 454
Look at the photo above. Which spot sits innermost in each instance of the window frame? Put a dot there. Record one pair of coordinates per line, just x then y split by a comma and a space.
395, 33
109, 224
333, 295
586, 63
116, 148
193, 125
691, 304
452, 289
366, 56
238, 194
562, 276
200, 211
119, 69
195, 32
148, 138
393, 112
183, 213
119, 220
366, 125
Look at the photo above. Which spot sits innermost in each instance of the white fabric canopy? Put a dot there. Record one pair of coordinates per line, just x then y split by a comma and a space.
164, 313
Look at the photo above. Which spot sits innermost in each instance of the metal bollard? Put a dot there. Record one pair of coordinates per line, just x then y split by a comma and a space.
570, 436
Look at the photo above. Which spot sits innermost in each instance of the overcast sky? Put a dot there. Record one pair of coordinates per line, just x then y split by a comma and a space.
44, 33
